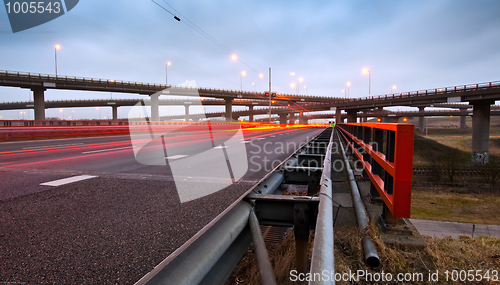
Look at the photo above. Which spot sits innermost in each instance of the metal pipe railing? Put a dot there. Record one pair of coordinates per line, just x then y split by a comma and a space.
370, 250
265, 268
323, 254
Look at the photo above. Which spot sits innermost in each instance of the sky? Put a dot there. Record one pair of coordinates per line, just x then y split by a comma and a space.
414, 45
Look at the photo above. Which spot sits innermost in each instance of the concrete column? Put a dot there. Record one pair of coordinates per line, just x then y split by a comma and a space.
283, 118
115, 112
463, 119
39, 102
421, 119
186, 113
480, 131
250, 115
352, 116
155, 111
338, 117
229, 108
302, 119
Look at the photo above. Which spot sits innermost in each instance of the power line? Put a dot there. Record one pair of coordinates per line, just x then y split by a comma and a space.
203, 33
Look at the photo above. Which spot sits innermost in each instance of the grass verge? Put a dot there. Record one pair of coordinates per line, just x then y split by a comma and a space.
443, 205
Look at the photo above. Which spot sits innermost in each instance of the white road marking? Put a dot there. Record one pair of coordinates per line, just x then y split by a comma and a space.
273, 136
245, 142
67, 180
109, 149
47, 146
176, 156
221, 146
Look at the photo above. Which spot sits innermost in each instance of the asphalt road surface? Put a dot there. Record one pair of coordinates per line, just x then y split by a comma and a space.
85, 211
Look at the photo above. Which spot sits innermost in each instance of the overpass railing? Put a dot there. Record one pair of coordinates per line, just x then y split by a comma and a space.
385, 151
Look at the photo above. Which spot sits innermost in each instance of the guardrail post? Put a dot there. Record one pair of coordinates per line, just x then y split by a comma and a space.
378, 142
389, 155
301, 233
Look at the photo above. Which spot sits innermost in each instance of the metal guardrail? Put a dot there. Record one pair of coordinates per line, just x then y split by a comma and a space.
386, 153
210, 256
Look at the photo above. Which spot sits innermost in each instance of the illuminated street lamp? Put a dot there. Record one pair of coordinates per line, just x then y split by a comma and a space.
306, 90
55, 55
366, 70
99, 112
62, 111
166, 69
393, 88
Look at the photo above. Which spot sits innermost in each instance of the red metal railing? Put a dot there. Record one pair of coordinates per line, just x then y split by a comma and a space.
386, 151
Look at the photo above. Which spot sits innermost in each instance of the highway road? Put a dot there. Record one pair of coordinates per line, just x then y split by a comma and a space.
84, 211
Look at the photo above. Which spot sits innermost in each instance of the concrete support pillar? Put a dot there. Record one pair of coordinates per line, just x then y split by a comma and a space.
283, 118
186, 113
338, 118
421, 119
39, 102
155, 109
250, 115
229, 108
463, 119
481, 131
302, 119
115, 112
352, 116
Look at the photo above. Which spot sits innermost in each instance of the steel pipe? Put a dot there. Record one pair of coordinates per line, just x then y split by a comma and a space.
265, 268
323, 253
370, 250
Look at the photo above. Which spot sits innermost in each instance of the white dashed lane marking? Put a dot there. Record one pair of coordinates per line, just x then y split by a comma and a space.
176, 156
67, 180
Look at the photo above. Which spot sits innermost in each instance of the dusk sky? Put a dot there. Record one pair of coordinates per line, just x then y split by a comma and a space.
414, 45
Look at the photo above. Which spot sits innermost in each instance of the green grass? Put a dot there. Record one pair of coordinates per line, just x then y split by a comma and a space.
450, 206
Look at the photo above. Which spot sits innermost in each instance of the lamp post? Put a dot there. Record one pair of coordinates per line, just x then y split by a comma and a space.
298, 85
393, 88
55, 55
347, 88
366, 70
306, 90
243, 73
166, 69
253, 83
99, 112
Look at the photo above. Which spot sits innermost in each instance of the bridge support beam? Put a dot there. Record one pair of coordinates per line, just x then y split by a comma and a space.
338, 117
481, 131
250, 115
463, 119
229, 108
421, 119
352, 116
186, 113
115, 112
283, 118
302, 119
39, 102
155, 113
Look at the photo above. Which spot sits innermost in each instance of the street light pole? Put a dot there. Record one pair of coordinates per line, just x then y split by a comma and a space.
55, 55
270, 94
366, 70
166, 71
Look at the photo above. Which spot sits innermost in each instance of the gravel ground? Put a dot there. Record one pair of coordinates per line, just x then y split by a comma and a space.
99, 231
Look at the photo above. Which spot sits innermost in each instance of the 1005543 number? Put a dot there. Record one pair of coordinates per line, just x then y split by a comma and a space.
33, 7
